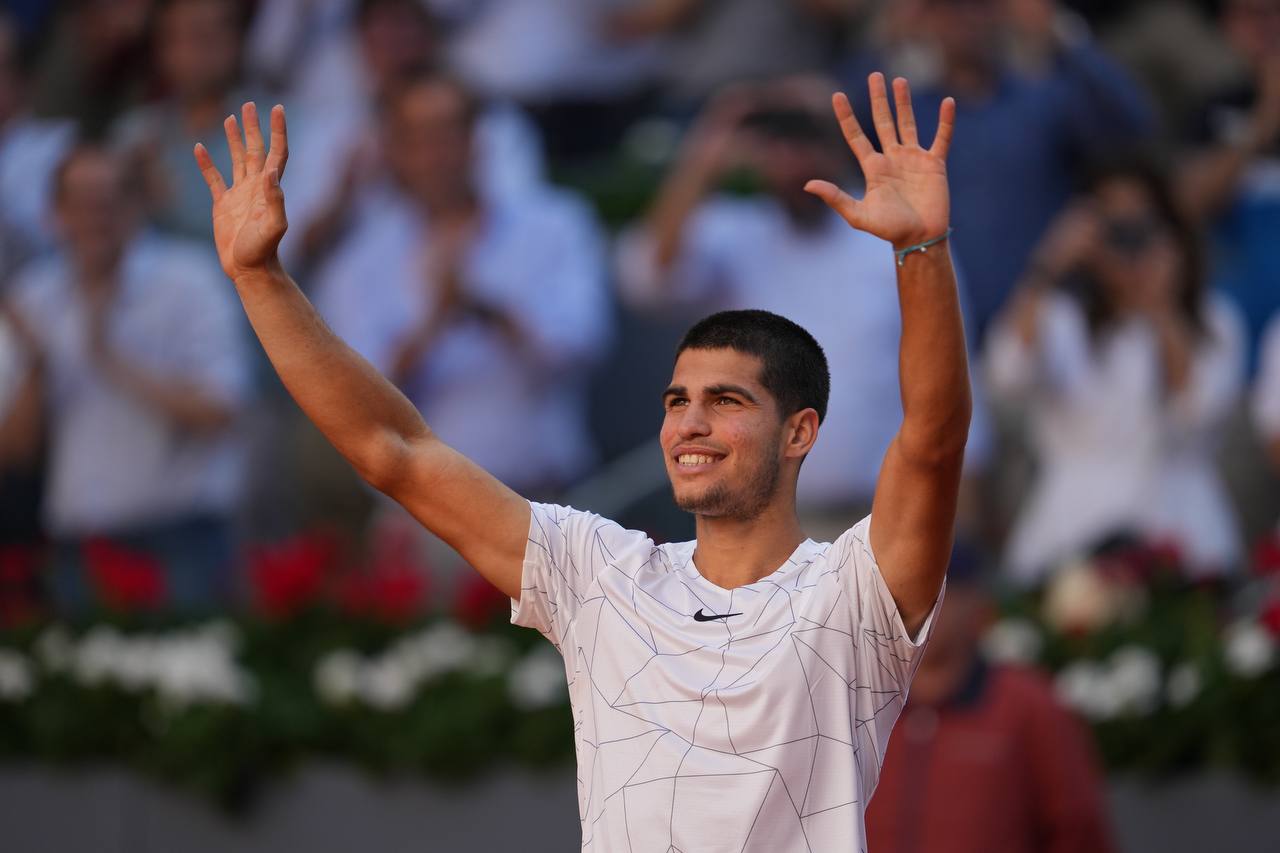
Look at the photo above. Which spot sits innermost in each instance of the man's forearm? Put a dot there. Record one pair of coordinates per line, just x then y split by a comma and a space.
933, 369
361, 413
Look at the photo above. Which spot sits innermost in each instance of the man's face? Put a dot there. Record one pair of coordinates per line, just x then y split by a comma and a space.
429, 139
199, 47
94, 209
966, 31
1253, 27
396, 38
722, 435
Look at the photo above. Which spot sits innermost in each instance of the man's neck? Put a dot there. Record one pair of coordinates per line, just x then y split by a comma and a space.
203, 111
734, 552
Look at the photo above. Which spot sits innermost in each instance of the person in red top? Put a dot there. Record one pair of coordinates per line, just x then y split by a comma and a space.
984, 758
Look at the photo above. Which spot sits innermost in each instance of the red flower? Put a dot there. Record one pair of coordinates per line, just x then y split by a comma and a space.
289, 576
18, 599
393, 588
1266, 555
478, 602
1270, 617
125, 579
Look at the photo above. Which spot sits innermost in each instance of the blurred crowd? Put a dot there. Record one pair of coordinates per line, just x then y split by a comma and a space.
513, 207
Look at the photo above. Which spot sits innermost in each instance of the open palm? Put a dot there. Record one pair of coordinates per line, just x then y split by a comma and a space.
906, 200
248, 216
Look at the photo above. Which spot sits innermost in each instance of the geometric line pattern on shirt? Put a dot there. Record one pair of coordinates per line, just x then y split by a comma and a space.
694, 735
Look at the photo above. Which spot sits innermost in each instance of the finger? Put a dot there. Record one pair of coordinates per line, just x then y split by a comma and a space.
236, 145
212, 176
839, 201
880, 114
279, 154
255, 147
946, 125
274, 195
858, 142
906, 115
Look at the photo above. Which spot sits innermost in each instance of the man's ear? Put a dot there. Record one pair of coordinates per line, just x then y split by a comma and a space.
800, 432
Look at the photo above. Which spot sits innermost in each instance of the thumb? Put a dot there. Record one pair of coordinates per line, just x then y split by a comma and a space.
839, 201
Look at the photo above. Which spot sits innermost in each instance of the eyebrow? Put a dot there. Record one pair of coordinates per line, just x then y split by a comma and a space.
711, 391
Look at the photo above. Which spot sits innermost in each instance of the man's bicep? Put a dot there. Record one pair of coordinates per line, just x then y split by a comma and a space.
476, 514
912, 525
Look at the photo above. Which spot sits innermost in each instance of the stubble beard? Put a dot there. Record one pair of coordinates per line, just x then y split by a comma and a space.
718, 501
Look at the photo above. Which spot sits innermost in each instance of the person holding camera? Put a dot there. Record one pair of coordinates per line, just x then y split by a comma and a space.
1126, 367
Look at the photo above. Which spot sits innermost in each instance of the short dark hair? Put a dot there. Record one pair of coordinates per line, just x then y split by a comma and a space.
794, 368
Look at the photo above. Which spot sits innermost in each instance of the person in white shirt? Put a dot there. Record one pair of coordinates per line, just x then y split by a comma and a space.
486, 310
341, 84
136, 358
1126, 368
733, 692
784, 251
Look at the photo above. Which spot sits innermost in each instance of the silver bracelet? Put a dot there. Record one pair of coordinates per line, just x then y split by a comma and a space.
901, 254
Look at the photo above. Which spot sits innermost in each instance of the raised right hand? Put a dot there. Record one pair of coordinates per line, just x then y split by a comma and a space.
248, 216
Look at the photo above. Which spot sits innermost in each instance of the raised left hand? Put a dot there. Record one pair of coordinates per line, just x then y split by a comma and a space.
906, 200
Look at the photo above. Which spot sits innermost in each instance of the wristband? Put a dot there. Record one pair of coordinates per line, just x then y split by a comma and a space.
901, 254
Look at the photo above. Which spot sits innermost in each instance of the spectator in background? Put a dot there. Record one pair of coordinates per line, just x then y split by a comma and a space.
29, 149
784, 251
1266, 393
1233, 179
389, 42
1023, 128
1127, 368
563, 60
196, 47
135, 367
715, 43
486, 310
95, 63
984, 758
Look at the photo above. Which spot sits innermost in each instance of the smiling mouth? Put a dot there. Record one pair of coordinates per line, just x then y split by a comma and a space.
694, 461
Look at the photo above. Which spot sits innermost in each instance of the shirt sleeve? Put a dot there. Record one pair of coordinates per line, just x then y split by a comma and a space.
565, 550
886, 654
1217, 372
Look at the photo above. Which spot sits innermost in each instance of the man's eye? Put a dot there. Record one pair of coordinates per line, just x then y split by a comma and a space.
721, 401
676, 402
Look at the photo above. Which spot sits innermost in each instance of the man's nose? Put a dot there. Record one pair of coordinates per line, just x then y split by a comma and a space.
694, 422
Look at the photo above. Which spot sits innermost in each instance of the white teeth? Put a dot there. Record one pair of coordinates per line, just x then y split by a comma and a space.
694, 459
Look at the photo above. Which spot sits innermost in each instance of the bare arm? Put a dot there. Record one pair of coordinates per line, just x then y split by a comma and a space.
907, 202
370, 422
1211, 178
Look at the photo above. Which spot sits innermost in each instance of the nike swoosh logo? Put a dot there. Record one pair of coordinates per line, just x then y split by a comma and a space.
711, 617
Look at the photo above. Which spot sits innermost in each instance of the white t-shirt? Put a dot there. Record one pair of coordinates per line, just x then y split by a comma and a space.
711, 719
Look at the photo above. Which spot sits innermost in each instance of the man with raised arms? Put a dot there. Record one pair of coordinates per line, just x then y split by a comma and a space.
731, 693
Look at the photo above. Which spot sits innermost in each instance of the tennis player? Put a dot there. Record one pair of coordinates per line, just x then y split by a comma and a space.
731, 693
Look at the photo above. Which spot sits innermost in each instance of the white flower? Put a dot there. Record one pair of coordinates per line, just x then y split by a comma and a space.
1248, 649
1081, 598
537, 680
1083, 686
183, 667
337, 676
1134, 678
386, 685
17, 681
1185, 683
1013, 641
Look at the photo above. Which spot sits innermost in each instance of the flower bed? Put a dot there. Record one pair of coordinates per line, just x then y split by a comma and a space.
1174, 676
